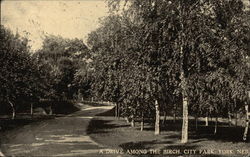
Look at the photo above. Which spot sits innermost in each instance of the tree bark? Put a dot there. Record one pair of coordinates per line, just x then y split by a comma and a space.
229, 119
247, 124
164, 118
236, 119
184, 134
31, 110
50, 110
206, 120
142, 122
13, 109
174, 116
116, 110
157, 118
216, 125
196, 122
132, 121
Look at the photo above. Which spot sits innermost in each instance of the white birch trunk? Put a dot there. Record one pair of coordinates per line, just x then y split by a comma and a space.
196, 122
184, 134
132, 121
164, 118
31, 110
247, 124
216, 125
13, 109
50, 110
157, 118
206, 120
142, 122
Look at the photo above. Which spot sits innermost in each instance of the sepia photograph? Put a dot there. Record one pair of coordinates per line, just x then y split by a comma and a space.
125, 78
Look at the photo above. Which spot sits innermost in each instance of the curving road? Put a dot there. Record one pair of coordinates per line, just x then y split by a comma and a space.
62, 136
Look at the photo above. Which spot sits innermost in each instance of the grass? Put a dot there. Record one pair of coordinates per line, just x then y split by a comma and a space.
117, 134
24, 118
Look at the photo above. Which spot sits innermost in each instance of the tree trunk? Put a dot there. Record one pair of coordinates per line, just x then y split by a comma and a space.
50, 110
164, 118
142, 122
174, 117
247, 124
116, 110
184, 133
132, 121
174, 114
229, 119
236, 119
157, 118
13, 109
206, 120
216, 125
196, 122
31, 110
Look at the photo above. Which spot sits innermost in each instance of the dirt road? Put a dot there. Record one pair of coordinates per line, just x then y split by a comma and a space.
62, 136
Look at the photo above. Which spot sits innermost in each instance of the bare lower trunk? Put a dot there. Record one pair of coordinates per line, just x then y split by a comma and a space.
142, 122
116, 110
31, 110
157, 118
196, 122
132, 121
50, 110
184, 134
206, 120
247, 124
174, 117
13, 109
236, 119
164, 118
229, 119
216, 125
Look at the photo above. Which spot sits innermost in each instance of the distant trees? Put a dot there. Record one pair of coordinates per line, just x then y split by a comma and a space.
64, 60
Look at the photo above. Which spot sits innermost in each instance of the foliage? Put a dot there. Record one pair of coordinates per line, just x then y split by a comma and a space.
63, 59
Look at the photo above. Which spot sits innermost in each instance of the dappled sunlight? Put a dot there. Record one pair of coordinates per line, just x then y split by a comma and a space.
70, 138
99, 107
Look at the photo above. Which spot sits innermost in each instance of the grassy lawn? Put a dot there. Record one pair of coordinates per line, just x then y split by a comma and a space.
117, 134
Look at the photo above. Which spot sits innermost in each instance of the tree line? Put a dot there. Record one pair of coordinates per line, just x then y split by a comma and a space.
157, 56
149, 57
